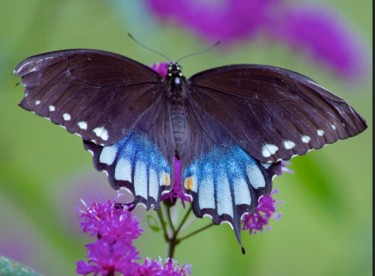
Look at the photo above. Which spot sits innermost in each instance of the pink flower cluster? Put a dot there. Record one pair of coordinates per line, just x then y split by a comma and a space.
113, 252
316, 29
265, 210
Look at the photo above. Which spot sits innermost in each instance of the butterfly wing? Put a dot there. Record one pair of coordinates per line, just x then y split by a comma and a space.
115, 104
224, 181
96, 94
273, 113
141, 161
243, 120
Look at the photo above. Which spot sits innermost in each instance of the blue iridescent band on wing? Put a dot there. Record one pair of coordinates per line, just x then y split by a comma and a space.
227, 183
136, 164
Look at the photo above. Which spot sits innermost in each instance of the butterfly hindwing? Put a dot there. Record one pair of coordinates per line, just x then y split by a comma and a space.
223, 180
273, 113
142, 161
136, 164
226, 183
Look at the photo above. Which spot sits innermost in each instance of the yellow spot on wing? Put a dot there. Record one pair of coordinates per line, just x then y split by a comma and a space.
189, 183
167, 179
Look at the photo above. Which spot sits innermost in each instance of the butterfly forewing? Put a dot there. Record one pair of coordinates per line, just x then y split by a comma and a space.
96, 94
273, 113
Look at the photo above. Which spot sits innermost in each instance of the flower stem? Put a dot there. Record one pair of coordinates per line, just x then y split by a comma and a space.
196, 232
170, 219
172, 243
171, 237
184, 220
162, 222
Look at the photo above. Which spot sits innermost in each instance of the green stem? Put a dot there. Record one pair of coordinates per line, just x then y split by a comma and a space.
173, 241
170, 219
183, 220
172, 238
162, 222
196, 232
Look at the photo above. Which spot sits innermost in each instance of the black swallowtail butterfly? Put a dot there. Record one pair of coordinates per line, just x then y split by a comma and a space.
229, 127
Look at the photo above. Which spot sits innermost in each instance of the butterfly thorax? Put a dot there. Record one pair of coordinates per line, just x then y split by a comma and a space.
177, 95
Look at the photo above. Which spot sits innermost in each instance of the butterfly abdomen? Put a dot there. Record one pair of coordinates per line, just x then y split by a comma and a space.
177, 97
178, 124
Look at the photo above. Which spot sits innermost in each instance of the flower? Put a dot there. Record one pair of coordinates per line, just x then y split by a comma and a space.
266, 205
315, 30
113, 252
260, 218
108, 256
224, 20
324, 36
115, 229
170, 268
110, 220
160, 68
284, 168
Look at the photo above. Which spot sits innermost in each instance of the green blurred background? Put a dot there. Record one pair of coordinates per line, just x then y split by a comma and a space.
326, 224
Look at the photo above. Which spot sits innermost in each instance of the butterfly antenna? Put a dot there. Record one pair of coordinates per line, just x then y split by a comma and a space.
200, 52
148, 48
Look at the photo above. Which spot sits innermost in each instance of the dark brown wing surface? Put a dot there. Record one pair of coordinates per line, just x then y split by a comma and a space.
272, 113
96, 94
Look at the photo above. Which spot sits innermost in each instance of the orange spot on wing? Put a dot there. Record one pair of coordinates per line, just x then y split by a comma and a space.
189, 183
167, 179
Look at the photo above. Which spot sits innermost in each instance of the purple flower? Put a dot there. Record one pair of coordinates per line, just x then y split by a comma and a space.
224, 20
115, 229
314, 30
170, 268
107, 220
260, 218
284, 168
320, 32
113, 252
108, 256
160, 68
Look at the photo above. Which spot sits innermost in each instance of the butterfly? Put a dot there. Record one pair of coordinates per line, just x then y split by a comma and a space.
229, 127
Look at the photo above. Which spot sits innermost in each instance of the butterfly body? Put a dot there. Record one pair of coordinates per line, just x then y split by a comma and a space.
177, 97
228, 127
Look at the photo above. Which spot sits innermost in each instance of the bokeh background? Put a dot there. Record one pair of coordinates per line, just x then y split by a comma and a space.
326, 223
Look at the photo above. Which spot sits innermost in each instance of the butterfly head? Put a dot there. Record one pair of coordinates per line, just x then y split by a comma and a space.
174, 70
174, 74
